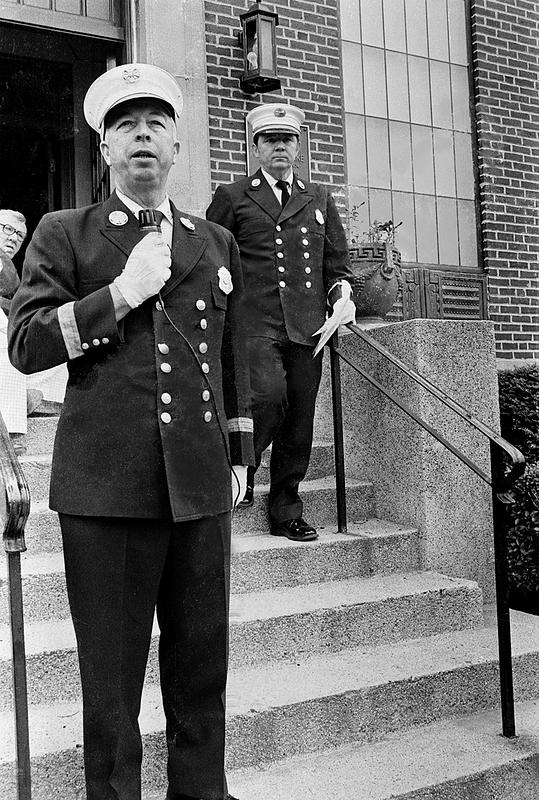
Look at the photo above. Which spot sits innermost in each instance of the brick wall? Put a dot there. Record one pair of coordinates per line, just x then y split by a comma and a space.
504, 35
309, 66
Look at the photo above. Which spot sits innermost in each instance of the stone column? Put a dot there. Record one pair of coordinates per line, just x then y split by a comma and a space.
416, 480
171, 35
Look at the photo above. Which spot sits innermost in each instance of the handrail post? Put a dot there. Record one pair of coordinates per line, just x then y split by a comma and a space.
338, 438
500, 502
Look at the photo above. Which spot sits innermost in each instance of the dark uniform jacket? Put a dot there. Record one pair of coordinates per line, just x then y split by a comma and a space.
291, 257
144, 430
9, 281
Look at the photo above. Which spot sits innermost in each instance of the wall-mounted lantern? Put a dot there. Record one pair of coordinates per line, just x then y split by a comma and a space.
257, 37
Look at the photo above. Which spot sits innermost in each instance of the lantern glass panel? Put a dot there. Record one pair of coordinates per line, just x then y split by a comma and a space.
266, 45
251, 48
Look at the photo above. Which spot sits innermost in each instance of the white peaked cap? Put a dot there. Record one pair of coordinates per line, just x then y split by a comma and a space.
129, 82
273, 117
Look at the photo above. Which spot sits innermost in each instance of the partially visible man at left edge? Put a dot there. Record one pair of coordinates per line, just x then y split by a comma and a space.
156, 410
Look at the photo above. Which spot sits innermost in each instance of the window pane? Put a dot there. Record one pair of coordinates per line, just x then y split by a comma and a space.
441, 95
444, 163
98, 8
395, 29
352, 78
69, 6
375, 82
464, 166
403, 211
423, 160
448, 246
458, 51
467, 233
397, 86
350, 20
461, 98
401, 156
437, 28
425, 221
358, 214
380, 206
372, 26
355, 149
378, 152
37, 3
419, 90
416, 27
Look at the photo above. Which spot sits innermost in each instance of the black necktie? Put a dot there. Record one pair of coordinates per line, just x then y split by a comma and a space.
285, 194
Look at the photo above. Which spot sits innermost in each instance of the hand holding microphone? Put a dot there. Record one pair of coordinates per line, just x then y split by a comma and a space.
147, 269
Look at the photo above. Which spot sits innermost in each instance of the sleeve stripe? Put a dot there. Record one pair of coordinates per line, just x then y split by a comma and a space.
70, 332
240, 425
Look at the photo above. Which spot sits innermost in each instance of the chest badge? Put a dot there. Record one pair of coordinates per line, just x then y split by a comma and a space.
118, 218
300, 184
187, 223
225, 280
319, 216
255, 183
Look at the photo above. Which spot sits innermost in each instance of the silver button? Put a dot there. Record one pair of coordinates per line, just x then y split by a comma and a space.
203, 347
280, 255
306, 255
85, 345
278, 241
281, 269
205, 395
201, 305
104, 340
166, 398
282, 284
207, 416
305, 241
165, 417
166, 367
203, 324
303, 230
95, 342
308, 270
278, 228
163, 348
158, 306
205, 368
308, 284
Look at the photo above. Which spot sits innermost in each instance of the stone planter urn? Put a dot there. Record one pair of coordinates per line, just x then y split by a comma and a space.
376, 264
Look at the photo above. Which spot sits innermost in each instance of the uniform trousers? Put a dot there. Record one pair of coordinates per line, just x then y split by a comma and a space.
284, 384
118, 571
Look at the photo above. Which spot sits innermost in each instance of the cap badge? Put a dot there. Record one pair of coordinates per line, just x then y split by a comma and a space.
131, 75
118, 217
319, 216
255, 182
225, 280
301, 184
187, 223
279, 112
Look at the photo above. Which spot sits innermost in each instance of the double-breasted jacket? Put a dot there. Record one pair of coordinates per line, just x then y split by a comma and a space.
291, 256
157, 404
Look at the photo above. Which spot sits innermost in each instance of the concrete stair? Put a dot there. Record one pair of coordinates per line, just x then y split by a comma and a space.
354, 673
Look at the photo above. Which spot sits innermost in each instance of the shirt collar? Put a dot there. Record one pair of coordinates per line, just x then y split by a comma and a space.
272, 181
135, 207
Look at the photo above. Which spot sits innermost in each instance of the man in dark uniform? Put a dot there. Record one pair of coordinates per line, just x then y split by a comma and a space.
156, 412
295, 262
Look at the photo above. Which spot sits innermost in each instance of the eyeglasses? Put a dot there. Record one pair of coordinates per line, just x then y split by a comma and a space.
9, 230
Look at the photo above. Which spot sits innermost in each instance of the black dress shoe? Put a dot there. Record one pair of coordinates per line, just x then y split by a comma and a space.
247, 501
296, 529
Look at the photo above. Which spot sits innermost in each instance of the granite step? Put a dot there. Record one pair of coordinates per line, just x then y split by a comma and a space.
305, 705
276, 625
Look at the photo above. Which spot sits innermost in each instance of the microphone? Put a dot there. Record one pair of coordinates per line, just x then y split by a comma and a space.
148, 221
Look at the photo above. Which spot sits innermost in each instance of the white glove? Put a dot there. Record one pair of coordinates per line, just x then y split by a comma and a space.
239, 476
344, 311
146, 270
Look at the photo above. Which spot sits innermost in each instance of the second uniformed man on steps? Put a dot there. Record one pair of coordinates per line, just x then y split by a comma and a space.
294, 256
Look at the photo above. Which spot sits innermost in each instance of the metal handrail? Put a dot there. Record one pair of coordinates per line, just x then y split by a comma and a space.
500, 481
16, 507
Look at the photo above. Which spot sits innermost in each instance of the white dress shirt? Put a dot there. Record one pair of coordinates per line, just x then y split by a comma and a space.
289, 179
166, 224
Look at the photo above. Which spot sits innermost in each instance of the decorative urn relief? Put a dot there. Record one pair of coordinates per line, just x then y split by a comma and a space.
376, 264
